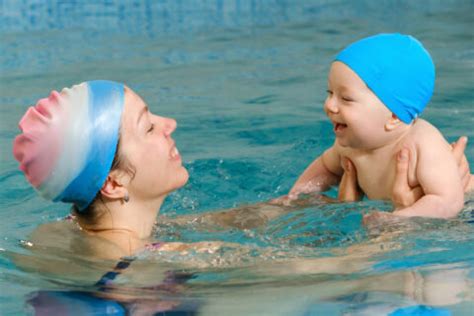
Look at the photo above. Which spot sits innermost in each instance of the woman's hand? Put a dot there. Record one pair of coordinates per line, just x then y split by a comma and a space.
467, 179
349, 190
403, 195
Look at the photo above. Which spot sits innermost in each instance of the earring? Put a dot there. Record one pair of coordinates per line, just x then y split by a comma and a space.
126, 198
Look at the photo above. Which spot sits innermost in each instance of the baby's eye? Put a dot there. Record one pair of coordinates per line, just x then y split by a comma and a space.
151, 128
347, 99
329, 92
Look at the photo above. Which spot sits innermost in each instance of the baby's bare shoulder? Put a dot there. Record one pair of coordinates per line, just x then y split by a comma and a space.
421, 127
423, 139
424, 134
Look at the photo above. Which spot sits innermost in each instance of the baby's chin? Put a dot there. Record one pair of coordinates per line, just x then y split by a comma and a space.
350, 144
342, 142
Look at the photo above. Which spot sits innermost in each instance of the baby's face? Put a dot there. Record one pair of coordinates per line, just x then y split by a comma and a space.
357, 114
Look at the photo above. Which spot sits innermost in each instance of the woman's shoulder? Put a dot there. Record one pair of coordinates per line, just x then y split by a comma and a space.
54, 233
66, 235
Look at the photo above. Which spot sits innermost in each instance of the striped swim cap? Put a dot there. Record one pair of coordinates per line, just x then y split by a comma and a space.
397, 68
68, 141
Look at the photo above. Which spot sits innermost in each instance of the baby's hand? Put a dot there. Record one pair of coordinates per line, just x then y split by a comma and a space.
284, 200
307, 188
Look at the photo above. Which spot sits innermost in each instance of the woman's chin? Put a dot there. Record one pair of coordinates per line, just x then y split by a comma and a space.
179, 179
183, 175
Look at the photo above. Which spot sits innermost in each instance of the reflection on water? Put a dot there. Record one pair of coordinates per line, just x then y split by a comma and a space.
245, 81
113, 300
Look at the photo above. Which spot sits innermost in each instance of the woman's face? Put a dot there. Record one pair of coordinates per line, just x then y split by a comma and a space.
147, 145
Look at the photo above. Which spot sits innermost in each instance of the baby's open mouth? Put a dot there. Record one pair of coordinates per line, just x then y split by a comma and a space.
339, 127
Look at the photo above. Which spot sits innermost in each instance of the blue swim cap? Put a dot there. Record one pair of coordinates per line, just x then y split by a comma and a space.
397, 68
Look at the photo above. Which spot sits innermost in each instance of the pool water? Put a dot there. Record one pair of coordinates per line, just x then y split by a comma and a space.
246, 82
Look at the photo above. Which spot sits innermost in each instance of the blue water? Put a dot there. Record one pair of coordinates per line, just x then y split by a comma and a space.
246, 81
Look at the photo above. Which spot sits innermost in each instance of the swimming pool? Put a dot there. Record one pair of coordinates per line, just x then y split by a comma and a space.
245, 81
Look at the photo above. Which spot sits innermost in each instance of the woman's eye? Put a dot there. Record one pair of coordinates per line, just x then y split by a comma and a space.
151, 128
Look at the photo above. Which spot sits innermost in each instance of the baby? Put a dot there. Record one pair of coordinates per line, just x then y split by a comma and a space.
377, 87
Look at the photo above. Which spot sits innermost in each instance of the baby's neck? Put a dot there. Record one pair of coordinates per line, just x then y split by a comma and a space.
391, 141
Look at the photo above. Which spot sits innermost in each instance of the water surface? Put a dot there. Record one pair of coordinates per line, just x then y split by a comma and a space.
246, 82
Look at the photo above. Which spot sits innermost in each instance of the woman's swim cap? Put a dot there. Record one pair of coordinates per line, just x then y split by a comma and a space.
397, 68
69, 139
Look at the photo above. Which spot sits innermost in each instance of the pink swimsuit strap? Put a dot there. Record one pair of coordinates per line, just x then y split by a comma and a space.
70, 218
154, 245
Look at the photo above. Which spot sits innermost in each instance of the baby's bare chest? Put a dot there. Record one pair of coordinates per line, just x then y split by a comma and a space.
376, 178
376, 173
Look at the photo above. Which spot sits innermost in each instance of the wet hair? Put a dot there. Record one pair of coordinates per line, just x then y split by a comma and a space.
94, 211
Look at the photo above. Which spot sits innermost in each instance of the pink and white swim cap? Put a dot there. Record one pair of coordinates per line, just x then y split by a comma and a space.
69, 140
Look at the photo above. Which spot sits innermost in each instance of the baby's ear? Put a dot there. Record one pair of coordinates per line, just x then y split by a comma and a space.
392, 123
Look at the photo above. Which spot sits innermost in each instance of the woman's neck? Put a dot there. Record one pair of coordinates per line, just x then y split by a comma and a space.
134, 218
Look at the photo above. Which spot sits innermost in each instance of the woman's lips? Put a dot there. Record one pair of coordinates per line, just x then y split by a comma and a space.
174, 153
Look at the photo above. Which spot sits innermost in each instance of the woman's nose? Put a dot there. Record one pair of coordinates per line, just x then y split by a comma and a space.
170, 125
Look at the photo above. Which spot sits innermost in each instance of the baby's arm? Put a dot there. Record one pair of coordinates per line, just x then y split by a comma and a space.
322, 173
437, 173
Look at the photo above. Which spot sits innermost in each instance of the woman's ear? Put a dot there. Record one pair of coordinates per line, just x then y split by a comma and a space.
115, 186
392, 123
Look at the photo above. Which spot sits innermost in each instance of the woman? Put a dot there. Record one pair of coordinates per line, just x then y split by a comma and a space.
98, 147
